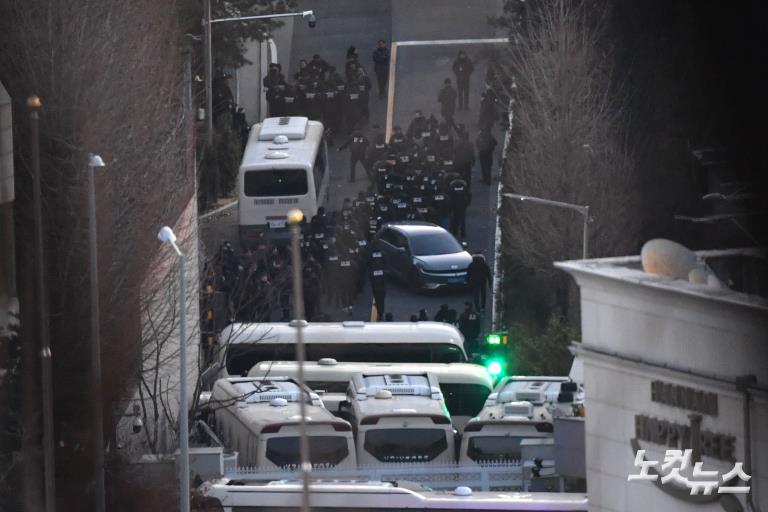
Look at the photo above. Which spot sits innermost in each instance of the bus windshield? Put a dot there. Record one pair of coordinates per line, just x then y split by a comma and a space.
405, 444
241, 357
275, 182
324, 451
495, 448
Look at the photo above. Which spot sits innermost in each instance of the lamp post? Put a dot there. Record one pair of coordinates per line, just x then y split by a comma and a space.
294, 219
34, 104
166, 235
97, 439
208, 54
584, 210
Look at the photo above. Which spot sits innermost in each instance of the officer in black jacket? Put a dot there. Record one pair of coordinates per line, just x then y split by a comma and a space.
469, 325
378, 282
358, 146
381, 66
486, 144
478, 278
459, 198
464, 156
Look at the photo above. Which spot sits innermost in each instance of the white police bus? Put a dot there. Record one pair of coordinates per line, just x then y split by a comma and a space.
465, 386
243, 345
285, 166
259, 418
399, 419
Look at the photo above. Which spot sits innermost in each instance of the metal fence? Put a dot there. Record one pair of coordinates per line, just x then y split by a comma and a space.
494, 476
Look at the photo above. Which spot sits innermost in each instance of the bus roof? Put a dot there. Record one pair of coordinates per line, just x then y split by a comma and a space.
345, 332
337, 371
264, 152
382, 394
257, 413
295, 128
384, 496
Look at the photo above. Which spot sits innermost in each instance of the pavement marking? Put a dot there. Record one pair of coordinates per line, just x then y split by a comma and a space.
453, 41
391, 90
217, 210
429, 42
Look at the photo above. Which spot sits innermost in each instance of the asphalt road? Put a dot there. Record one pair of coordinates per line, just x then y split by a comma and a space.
419, 76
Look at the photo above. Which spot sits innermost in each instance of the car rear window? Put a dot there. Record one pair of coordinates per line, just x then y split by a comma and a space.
427, 244
324, 451
275, 182
405, 444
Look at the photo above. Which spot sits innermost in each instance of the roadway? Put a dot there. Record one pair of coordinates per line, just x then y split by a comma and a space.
419, 76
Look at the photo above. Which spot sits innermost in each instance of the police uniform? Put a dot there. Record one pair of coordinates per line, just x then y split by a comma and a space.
378, 282
459, 201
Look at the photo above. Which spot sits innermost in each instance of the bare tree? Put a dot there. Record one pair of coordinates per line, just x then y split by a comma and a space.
567, 142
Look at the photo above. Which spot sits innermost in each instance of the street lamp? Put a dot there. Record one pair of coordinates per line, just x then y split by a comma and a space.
166, 235
584, 210
97, 440
46, 366
294, 219
208, 55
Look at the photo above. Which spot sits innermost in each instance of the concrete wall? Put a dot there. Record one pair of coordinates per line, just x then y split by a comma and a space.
160, 336
9, 303
616, 393
633, 328
662, 326
249, 80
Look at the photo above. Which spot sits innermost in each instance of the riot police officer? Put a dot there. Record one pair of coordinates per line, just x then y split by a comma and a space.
460, 198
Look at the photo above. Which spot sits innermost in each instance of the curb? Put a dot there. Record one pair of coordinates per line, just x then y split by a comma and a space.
217, 210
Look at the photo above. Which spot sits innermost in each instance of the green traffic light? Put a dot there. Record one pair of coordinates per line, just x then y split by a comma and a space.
493, 339
495, 368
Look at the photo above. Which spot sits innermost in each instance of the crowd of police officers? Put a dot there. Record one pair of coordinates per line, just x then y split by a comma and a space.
422, 174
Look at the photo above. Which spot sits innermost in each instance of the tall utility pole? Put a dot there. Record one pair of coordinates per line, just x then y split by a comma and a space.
208, 74
97, 414
34, 105
166, 235
294, 219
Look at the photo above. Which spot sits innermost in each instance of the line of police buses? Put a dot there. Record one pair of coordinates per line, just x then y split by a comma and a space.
374, 393
365, 410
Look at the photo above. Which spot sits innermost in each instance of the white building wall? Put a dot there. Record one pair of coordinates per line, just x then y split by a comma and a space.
663, 326
633, 324
160, 324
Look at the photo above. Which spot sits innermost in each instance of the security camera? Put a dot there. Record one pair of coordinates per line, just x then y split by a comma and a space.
137, 425
311, 20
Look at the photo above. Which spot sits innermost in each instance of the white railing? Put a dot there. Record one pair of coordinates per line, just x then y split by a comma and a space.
496, 476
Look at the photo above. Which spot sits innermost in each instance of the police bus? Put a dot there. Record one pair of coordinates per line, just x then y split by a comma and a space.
259, 418
399, 418
285, 166
241, 346
465, 386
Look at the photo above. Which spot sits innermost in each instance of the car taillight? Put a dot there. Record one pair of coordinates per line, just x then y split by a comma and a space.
271, 429
441, 420
473, 427
369, 420
342, 427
